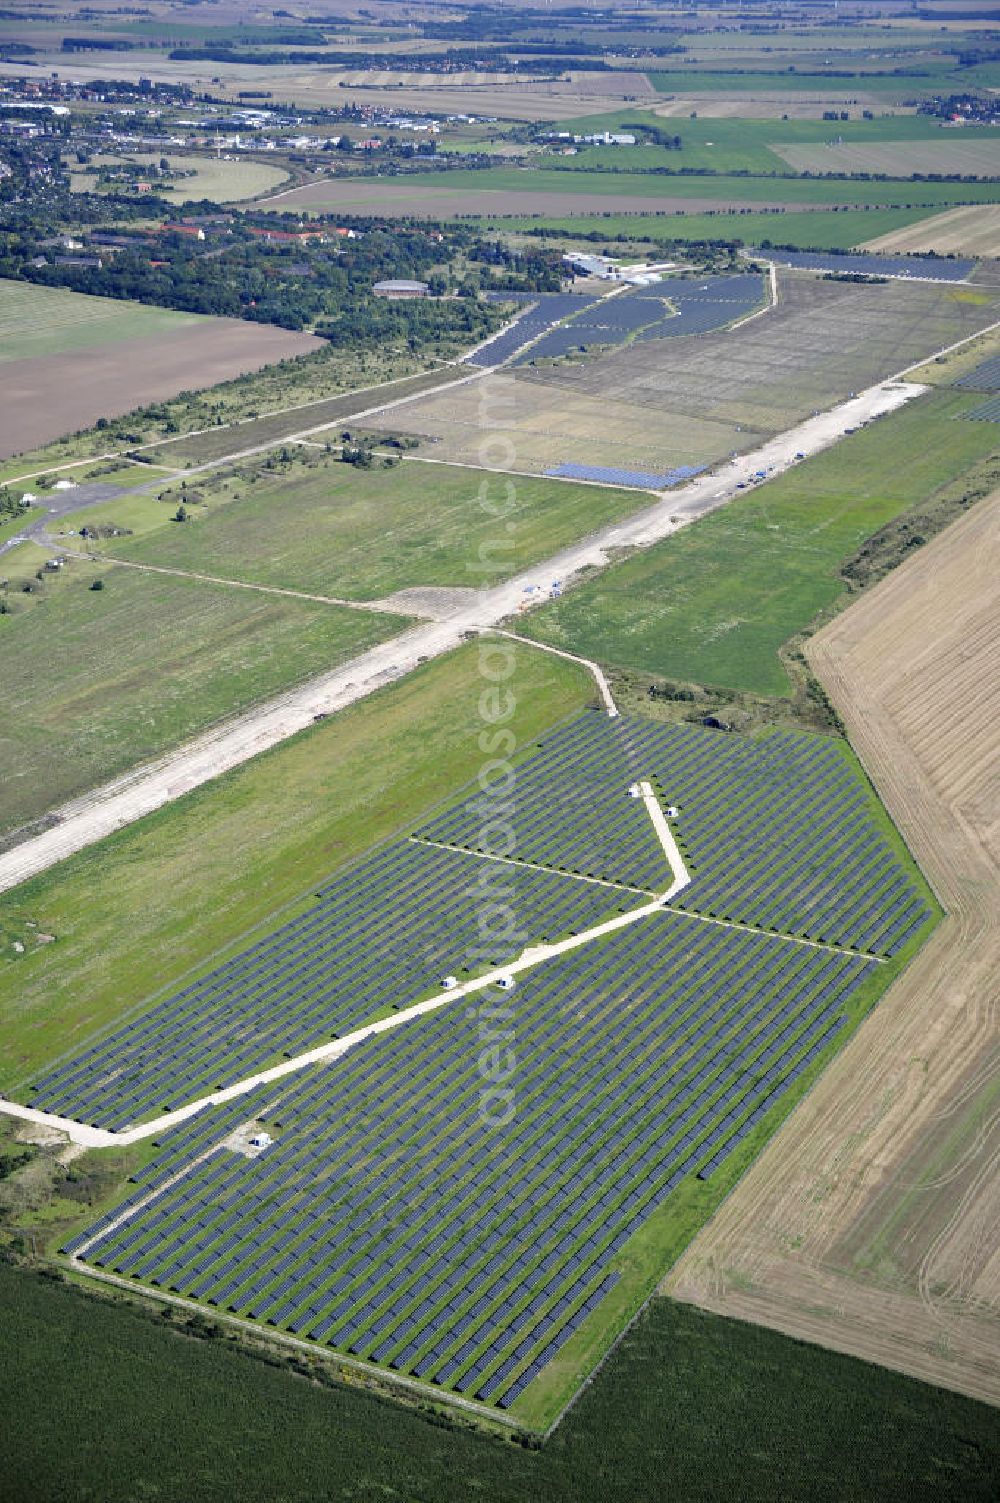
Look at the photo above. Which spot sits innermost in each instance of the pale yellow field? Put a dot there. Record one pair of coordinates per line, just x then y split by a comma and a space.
869, 1223
970, 157
970, 231
218, 179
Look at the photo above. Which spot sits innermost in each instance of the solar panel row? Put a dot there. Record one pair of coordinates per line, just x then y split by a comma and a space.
936, 268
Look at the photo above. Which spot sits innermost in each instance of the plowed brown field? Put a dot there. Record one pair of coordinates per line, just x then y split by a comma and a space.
870, 1223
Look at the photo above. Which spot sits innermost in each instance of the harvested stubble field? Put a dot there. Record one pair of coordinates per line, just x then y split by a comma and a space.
969, 158
970, 231
868, 1224
660, 403
82, 358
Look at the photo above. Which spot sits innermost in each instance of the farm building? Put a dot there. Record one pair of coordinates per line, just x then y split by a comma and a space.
400, 287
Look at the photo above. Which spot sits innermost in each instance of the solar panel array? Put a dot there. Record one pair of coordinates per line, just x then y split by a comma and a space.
986, 412
660, 311
571, 810
985, 377
777, 831
400, 1216
379, 937
550, 309
409, 1211
613, 475
935, 268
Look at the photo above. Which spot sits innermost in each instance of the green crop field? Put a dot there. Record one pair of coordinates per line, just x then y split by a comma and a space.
714, 603
332, 529
103, 679
810, 230
691, 1406
736, 145
51, 320
130, 914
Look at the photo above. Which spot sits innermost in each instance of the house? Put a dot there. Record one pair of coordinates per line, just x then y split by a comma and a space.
287, 237
194, 230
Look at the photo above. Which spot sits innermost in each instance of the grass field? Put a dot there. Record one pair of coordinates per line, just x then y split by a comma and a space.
51, 320
691, 1405
739, 145
217, 179
715, 603
103, 679
130, 914
329, 528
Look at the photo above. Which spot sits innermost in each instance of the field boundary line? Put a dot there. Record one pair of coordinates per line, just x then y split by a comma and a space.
535, 866
373, 607
795, 939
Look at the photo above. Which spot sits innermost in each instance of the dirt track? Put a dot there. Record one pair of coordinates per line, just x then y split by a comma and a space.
869, 1224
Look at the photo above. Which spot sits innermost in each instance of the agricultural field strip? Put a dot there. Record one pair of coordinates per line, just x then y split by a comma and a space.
878, 1242
720, 1024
